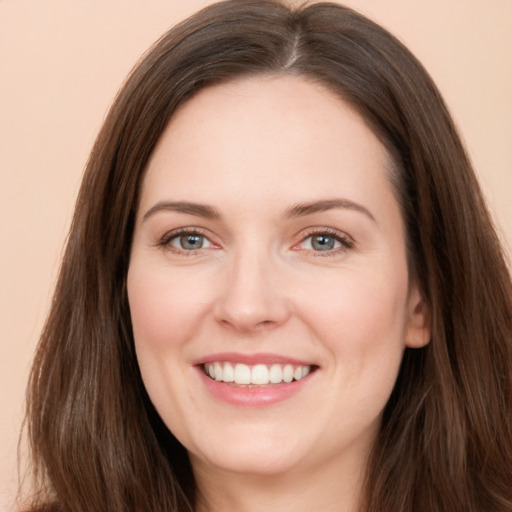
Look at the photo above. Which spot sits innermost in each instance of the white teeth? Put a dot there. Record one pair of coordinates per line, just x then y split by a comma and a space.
276, 374
259, 374
242, 374
229, 373
217, 371
288, 373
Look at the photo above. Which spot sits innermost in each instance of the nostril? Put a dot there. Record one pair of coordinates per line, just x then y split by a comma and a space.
247, 324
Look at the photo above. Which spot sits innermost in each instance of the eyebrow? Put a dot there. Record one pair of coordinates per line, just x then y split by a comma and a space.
200, 210
296, 210
302, 209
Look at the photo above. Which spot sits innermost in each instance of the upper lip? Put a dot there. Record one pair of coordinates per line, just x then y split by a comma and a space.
250, 359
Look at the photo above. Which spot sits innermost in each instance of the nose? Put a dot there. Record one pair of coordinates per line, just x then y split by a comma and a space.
252, 297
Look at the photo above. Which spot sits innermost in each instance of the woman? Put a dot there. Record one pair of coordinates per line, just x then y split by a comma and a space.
281, 289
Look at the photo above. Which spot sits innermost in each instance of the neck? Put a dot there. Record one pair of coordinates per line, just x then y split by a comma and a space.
328, 489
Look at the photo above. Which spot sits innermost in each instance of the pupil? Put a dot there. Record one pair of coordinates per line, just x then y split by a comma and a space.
322, 242
191, 241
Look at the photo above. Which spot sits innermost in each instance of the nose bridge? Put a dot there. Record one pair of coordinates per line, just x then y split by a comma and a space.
251, 295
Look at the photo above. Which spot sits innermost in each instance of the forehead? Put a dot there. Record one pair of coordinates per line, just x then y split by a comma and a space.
285, 133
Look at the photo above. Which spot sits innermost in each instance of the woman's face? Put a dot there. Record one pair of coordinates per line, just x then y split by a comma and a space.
268, 283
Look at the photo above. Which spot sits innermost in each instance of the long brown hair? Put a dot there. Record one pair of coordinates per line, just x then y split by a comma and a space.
445, 443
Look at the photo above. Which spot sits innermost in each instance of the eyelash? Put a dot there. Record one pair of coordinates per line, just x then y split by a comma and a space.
165, 241
345, 241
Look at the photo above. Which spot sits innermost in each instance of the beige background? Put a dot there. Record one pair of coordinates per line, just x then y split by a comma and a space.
61, 63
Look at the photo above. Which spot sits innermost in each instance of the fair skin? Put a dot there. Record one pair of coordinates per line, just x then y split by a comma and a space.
268, 236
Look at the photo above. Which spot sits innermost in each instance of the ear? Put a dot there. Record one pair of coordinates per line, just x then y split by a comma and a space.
418, 328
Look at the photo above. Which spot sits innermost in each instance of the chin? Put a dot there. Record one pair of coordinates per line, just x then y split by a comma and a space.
268, 455
261, 464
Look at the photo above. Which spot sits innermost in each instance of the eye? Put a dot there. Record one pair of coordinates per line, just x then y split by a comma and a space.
326, 242
185, 241
322, 242
190, 241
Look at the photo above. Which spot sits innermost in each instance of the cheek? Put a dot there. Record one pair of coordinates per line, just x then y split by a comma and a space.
163, 320
362, 320
163, 308
359, 301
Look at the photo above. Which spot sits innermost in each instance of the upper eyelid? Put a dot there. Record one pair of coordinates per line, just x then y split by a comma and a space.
345, 241
302, 235
336, 233
173, 233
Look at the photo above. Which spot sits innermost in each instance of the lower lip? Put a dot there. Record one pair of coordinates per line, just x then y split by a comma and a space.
252, 396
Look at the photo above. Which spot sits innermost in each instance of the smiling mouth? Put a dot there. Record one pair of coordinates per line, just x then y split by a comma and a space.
256, 375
